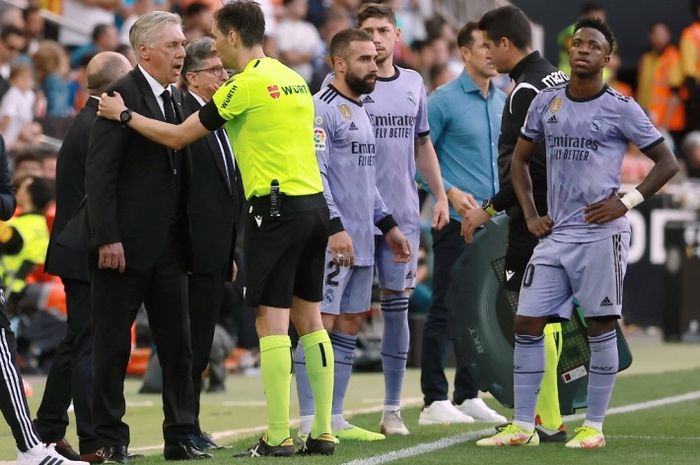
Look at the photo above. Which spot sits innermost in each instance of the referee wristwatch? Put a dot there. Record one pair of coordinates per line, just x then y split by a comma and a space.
125, 116
487, 206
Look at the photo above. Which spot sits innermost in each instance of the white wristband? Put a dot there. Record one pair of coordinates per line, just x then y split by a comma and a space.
632, 199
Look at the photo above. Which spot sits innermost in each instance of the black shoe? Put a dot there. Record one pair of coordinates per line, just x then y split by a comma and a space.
549, 436
115, 454
184, 450
216, 387
64, 448
204, 441
322, 445
263, 449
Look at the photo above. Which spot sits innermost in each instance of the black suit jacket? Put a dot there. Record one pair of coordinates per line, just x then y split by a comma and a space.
213, 208
8, 203
62, 260
135, 189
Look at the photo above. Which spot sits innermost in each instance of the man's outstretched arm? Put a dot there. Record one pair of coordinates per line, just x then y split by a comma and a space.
175, 136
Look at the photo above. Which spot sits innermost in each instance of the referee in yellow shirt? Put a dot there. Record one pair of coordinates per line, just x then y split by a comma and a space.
268, 112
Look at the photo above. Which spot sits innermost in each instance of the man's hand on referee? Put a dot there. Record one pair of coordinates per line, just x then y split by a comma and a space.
341, 248
111, 257
462, 201
111, 106
399, 245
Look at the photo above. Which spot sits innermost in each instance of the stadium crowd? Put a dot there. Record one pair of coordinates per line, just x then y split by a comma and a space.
51, 77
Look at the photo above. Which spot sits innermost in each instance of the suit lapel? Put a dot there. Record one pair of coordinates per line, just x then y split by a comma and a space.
211, 139
147, 94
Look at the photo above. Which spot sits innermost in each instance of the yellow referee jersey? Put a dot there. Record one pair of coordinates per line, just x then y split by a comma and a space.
269, 114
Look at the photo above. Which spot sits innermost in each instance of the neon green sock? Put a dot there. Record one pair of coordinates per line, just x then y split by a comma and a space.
276, 369
548, 399
319, 368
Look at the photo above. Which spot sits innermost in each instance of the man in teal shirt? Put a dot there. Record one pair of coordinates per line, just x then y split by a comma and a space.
465, 122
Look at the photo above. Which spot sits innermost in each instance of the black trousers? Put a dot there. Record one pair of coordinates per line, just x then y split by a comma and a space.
70, 377
205, 293
116, 299
448, 245
13, 402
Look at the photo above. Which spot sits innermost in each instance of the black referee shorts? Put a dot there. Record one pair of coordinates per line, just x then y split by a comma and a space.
284, 255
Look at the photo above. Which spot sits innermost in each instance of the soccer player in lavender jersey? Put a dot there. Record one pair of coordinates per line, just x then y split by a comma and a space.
346, 151
582, 252
399, 112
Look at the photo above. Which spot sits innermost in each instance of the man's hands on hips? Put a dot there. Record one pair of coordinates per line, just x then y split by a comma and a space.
605, 211
539, 226
462, 201
471, 222
111, 257
341, 248
399, 245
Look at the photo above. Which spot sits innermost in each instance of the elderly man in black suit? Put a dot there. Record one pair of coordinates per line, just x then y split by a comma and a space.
137, 215
214, 207
70, 377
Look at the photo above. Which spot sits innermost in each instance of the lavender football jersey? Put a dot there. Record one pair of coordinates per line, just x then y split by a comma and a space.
586, 141
346, 152
398, 109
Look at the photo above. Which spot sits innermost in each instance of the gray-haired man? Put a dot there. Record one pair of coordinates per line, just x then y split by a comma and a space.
214, 207
138, 217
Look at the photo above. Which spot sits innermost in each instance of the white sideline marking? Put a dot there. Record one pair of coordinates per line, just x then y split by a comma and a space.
465, 437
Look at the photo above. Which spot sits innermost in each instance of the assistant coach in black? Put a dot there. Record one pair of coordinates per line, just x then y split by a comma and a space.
214, 208
136, 206
70, 377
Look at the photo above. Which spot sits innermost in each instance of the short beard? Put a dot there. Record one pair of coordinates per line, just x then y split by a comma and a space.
359, 85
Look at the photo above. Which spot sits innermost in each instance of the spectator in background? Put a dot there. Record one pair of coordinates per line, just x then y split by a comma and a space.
611, 77
197, 21
335, 21
33, 28
298, 41
137, 9
588, 10
691, 154
89, 13
17, 108
660, 80
690, 51
77, 87
48, 166
12, 42
128, 52
439, 74
25, 237
12, 16
51, 69
26, 164
104, 39
423, 58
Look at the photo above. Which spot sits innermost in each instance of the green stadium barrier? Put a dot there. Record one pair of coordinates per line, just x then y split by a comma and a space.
480, 324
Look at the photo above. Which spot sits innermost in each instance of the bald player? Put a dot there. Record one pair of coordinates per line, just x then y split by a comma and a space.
70, 378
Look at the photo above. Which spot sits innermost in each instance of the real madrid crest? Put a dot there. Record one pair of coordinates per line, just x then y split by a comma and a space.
556, 105
345, 111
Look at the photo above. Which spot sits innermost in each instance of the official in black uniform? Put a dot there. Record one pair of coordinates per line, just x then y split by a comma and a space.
70, 377
214, 208
509, 37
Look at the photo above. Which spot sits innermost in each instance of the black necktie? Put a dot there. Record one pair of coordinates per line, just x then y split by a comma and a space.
168, 108
227, 156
